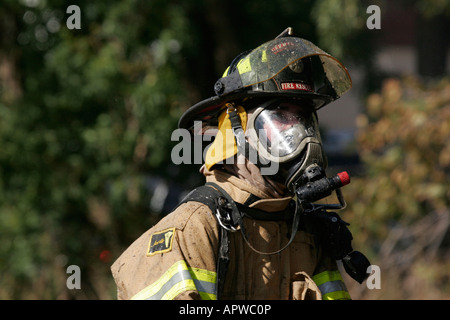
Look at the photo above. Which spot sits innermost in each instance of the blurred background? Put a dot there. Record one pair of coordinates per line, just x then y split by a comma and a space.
86, 117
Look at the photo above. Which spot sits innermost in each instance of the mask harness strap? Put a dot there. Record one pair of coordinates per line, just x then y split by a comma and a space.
243, 146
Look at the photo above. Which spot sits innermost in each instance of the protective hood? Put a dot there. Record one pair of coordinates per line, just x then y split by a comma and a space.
224, 145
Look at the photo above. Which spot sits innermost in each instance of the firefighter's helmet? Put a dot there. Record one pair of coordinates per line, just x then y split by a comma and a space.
285, 67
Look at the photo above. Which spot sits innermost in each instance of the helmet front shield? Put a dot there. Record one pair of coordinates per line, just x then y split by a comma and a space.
287, 64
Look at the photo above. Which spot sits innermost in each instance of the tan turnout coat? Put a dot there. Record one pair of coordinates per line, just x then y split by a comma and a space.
177, 258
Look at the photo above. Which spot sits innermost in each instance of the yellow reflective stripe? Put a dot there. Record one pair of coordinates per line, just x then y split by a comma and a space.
337, 295
244, 65
207, 296
154, 288
264, 56
177, 279
226, 72
205, 282
327, 276
331, 285
203, 275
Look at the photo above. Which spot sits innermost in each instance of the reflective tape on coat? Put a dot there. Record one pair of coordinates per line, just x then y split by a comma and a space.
331, 285
180, 278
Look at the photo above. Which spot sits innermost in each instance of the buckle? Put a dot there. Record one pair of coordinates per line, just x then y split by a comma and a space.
223, 215
230, 107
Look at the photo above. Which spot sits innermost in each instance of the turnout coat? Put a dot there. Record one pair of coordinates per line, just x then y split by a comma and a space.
177, 258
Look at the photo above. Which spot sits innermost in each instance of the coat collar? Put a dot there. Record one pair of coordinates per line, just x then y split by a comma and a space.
241, 191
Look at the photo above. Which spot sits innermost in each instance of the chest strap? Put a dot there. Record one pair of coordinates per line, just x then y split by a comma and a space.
233, 215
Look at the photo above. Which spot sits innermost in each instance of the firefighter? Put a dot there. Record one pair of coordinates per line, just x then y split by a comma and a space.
242, 235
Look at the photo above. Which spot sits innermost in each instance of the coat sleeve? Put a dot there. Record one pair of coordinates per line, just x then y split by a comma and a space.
329, 280
176, 259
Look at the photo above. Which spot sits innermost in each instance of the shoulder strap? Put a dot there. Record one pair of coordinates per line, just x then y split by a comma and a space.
210, 197
203, 194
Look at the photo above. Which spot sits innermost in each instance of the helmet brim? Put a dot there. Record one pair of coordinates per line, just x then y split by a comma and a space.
208, 110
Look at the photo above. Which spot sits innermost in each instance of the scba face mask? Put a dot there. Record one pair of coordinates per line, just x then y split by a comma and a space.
286, 132
280, 132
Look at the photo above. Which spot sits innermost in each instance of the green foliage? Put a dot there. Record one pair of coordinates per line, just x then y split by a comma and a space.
403, 141
399, 207
78, 144
338, 21
431, 8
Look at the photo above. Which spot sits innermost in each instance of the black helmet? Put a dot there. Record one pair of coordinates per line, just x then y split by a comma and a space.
286, 67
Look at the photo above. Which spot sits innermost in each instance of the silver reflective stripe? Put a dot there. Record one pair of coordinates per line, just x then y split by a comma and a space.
332, 286
176, 278
180, 278
205, 286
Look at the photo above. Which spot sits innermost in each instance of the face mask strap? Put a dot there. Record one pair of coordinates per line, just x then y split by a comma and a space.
243, 145
238, 132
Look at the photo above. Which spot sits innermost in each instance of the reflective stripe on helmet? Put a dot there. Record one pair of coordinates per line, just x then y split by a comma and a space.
331, 285
180, 278
267, 62
244, 66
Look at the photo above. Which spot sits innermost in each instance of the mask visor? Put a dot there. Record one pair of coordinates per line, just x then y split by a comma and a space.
281, 131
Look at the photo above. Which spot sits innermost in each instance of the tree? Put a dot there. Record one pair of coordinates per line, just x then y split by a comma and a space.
400, 206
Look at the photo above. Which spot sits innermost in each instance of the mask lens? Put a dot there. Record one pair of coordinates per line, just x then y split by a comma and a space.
281, 129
